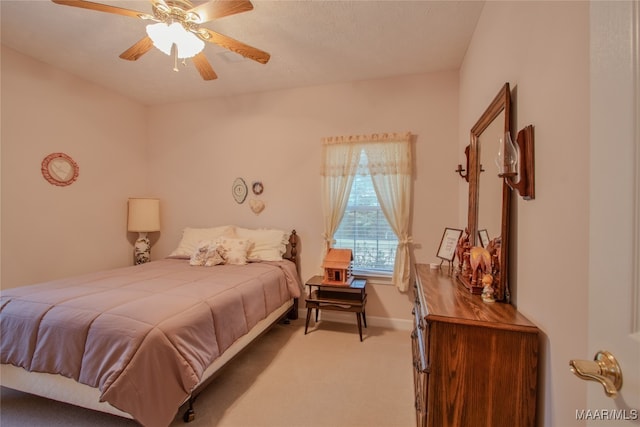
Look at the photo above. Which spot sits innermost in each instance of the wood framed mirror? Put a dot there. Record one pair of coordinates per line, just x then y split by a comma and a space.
489, 195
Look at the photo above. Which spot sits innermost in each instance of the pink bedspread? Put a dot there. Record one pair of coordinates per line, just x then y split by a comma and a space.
142, 335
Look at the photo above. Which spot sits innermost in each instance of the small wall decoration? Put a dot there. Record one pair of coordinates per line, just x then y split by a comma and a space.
257, 188
239, 190
60, 169
448, 244
256, 205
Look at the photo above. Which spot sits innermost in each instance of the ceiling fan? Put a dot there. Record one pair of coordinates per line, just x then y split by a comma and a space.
177, 30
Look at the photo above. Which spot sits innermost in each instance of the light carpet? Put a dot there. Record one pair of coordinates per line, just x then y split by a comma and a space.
327, 378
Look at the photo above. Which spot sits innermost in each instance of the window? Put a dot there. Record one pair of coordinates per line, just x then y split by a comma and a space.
350, 167
365, 230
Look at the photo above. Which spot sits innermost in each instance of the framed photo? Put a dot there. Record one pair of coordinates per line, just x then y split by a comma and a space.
448, 244
484, 237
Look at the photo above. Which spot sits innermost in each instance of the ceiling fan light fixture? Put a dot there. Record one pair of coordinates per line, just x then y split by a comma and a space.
164, 36
176, 31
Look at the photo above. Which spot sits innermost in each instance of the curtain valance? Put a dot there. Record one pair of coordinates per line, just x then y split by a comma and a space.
385, 154
374, 137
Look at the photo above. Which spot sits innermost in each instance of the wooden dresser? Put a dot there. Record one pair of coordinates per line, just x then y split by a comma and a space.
475, 364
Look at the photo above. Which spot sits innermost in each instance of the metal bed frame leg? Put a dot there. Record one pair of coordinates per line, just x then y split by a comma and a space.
189, 414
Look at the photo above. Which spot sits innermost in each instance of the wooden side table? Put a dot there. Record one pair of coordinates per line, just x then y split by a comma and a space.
352, 298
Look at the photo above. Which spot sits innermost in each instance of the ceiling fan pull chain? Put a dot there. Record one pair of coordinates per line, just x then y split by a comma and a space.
175, 58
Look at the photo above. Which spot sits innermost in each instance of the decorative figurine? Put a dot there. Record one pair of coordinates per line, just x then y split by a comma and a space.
487, 292
462, 247
480, 261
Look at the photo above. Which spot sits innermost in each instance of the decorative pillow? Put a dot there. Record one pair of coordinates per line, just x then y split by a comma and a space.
234, 251
208, 254
268, 244
191, 238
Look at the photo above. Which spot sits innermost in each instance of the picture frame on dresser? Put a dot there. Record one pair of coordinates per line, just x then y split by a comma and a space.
483, 236
448, 244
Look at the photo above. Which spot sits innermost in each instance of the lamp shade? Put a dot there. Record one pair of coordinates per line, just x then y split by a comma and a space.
144, 215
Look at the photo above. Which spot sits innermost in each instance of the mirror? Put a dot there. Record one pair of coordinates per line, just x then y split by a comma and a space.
489, 185
489, 195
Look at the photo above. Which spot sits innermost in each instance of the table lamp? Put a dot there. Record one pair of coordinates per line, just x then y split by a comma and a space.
143, 218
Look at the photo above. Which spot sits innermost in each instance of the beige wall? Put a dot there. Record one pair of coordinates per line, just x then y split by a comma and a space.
542, 50
189, 154
47, 231
197, 149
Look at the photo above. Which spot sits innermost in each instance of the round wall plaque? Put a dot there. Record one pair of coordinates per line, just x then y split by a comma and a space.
59, 169
257, 188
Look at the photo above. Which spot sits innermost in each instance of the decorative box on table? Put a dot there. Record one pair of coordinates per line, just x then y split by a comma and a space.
337, 267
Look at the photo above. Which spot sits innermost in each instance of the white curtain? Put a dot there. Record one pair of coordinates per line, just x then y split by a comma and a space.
339, 164
390, 166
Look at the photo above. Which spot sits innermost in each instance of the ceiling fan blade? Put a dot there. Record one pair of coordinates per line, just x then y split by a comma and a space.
215, 9
102, 8
137, 50
203, 66
237, 46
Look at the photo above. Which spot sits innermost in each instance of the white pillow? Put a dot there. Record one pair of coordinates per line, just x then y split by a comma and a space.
234, 251
191, 238
268, 244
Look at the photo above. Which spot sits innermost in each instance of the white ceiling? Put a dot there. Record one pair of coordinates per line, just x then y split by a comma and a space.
310, 42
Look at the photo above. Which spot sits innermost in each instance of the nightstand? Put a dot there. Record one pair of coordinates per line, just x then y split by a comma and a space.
352, 298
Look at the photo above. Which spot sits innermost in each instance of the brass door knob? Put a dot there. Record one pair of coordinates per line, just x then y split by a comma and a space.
604, 369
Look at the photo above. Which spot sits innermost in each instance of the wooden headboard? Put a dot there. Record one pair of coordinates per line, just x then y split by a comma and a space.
292, 249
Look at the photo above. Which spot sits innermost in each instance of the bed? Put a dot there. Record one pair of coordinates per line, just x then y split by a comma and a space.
141, 341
